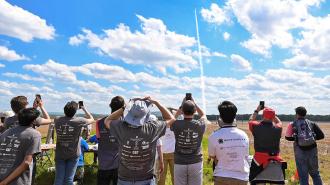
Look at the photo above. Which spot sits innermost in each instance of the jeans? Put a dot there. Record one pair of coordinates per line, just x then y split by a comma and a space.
145, 182
65, 171
104, 177
307, 163
190, 174
168, 163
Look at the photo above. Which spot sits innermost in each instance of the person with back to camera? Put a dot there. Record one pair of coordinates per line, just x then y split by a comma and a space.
267, 135
68, 131
304, 133
108, 147
20, 102
188, 158
18, 146
137, 136
229, 146
168, 147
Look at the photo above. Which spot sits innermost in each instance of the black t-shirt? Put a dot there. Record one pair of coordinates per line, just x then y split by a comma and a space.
267, 137
188, 137
137, 148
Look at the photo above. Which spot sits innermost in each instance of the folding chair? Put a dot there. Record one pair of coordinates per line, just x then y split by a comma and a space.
47, 151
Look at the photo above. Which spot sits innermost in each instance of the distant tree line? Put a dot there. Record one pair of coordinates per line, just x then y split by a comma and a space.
283, 117
240, 117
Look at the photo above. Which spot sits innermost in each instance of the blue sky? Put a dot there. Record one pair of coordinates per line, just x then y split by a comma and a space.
252, 50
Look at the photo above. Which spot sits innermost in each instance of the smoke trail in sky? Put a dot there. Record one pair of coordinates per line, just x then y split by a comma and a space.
200, 64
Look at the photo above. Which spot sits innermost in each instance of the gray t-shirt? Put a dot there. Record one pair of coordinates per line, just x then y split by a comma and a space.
12, 122
188, 136
16, 143
108, 148
68, 131
137, 148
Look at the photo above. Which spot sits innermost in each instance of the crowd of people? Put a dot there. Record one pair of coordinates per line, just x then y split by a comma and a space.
135, 147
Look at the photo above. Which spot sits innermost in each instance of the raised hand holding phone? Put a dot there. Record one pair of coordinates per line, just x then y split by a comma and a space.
81, 104
262, 105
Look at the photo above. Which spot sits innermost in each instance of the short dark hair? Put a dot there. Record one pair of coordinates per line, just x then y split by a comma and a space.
188, 108
116, 103
70, 109
301, 111
18, 103
227, 111
27, 116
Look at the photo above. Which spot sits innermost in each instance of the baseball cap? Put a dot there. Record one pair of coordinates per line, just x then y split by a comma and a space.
138, 114
7, 114
268, 113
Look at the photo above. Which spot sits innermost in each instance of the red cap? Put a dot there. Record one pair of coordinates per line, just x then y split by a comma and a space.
268, 113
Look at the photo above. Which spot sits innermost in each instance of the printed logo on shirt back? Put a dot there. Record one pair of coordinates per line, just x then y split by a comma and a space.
8, 150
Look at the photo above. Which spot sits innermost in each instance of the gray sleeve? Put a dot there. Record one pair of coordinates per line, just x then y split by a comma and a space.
115, 130
82, 121
35, 145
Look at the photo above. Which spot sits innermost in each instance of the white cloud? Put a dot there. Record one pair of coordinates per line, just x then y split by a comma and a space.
19, 23
24, 77
206, 53
2, 65
240, 63
52, 69
312, 50
270, 22
10, 55
258, 46
282, 89
226, 36
215, 14
155, 46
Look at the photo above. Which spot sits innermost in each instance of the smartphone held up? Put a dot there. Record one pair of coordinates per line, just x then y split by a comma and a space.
81, 104
262, 105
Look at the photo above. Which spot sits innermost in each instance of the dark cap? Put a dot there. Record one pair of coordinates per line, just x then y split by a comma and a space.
188, 107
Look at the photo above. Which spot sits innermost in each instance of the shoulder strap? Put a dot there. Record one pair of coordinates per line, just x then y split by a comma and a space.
309, 124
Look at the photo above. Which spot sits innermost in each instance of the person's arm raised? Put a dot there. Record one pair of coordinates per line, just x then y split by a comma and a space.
178, 113
114, 116
18, 171
89, 116
45, 118
253, 116
200, 112
277, 122
168, 117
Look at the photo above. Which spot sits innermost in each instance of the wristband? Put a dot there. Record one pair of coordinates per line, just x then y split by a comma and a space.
256, 111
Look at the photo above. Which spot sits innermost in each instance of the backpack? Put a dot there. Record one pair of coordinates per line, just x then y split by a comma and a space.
304, 133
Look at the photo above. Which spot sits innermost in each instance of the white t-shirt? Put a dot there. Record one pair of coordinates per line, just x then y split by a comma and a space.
230, 146
168, 141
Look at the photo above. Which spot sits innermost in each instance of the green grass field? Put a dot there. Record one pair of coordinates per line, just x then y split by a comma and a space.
44, 177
